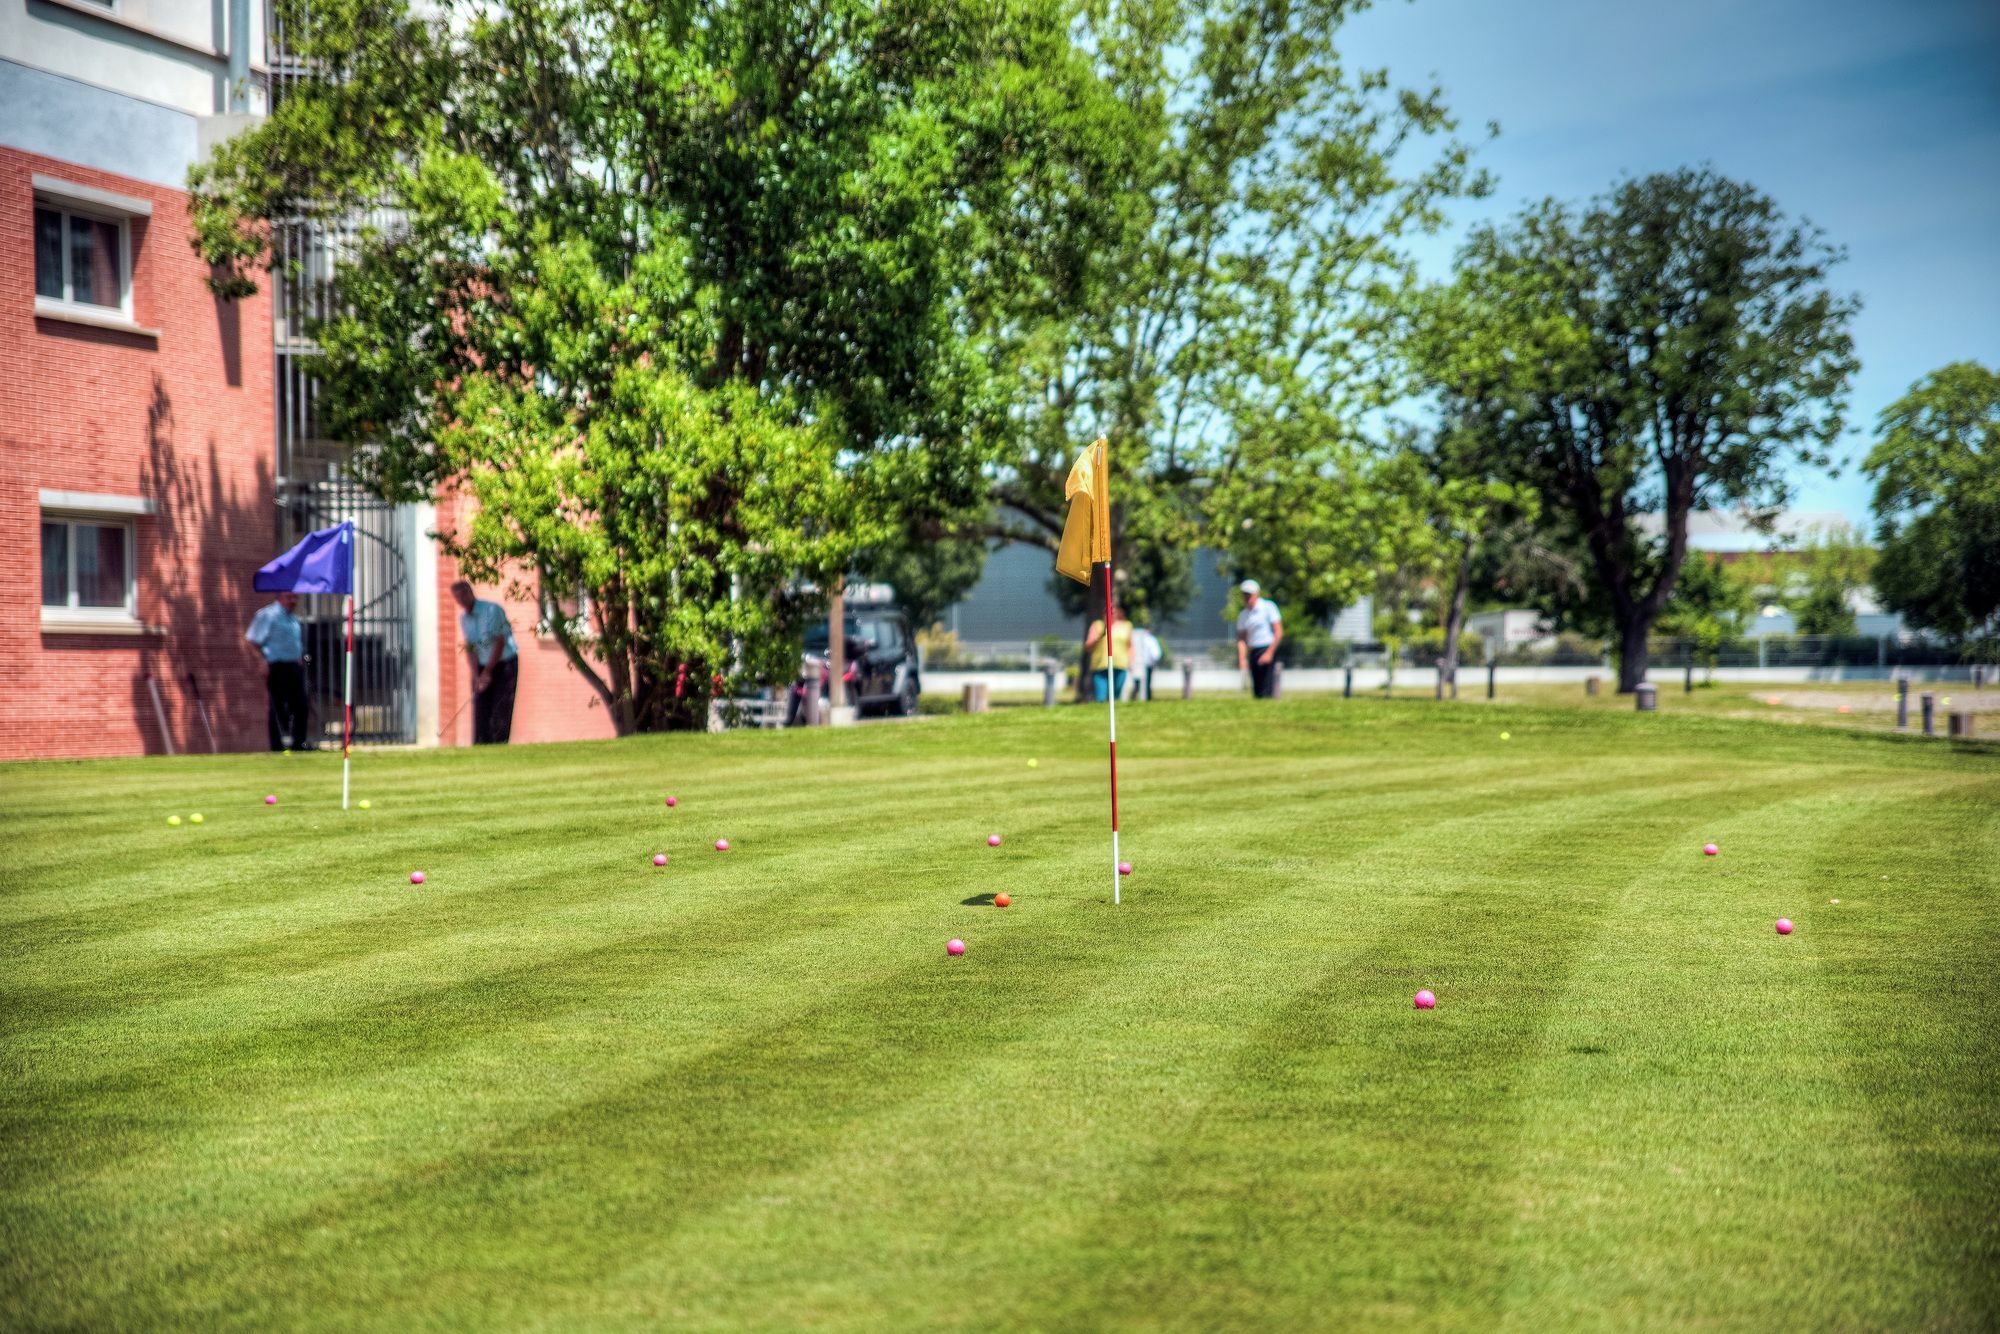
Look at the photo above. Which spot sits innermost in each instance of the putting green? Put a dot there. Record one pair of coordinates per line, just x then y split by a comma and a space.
255, 1078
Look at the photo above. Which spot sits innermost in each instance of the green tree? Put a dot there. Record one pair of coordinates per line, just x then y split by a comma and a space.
775, 220
1937, 502
1834, 565
1231, 317
929, 575
1711, 605
1670, 346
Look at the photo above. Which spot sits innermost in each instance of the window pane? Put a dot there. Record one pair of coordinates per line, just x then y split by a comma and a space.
100, 566
93, 263
55, 565
48, 253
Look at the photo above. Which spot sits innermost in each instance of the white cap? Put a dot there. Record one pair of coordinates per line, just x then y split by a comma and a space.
1249, 586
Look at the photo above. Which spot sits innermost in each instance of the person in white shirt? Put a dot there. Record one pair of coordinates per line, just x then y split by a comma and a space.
1259, 631
1146, 653
489, 649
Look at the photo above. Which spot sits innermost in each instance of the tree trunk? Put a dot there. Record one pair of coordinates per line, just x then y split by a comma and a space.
1632, 652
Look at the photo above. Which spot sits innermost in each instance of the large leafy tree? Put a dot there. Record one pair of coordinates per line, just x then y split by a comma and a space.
1228, 326
685, 294
1937, 502
1670, 346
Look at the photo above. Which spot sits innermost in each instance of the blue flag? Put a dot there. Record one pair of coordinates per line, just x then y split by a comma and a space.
322, 562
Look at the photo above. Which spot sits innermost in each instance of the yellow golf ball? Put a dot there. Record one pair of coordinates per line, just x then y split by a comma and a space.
364, 803
1034, 764
1506, 736
174, 820
1947, 701
195, 818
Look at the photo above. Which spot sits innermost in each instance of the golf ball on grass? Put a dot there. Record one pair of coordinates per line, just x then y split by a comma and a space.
416, 877
722, 845
993, 840
1034, 764
195, 818
659, 859
1001, 900
1784, 926
364, 803
671, 803
1425, 1000
1506, 736
174, 820
1709, 850
954, 947
1124, 868
271, 800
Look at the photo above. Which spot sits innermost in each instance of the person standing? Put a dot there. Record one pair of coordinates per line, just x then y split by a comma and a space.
1146, 654
489, 650
279, 636
1259, 631
1104, 683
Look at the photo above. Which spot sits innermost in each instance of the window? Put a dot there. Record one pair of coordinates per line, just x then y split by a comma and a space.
80, 259
87, 569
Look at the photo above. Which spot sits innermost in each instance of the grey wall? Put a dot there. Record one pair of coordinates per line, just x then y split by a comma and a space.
75, 122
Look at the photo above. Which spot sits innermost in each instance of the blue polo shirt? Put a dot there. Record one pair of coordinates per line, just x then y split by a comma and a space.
485, 628
278, 635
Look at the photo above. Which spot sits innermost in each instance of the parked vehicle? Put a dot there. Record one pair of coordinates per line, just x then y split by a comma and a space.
882, 670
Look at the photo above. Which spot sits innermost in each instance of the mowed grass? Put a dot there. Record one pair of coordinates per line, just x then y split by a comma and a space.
253, 1078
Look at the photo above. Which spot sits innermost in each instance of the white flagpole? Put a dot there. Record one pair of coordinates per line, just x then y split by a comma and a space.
347, 682
1111, 673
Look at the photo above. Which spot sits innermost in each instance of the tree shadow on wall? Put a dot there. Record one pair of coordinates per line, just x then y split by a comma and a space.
197, 559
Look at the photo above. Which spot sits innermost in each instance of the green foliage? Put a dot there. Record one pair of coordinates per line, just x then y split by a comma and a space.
930, 574
1711, 605
785, 217
1667, 347
1834, 565
1937, 503
1240, 252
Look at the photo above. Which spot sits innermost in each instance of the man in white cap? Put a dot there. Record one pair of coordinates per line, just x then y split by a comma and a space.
1259, 631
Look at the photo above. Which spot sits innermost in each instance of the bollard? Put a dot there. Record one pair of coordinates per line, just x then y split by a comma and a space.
1902, 704
1978, 675
1647, 698
974, 697
1277, 679
1491, 668
1959, 725
1187, 680
1930, 708
1687, 685
1347, 683
1048, 685
1590, 684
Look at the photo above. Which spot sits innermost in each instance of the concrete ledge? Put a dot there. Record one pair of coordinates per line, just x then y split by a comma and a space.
1471, 680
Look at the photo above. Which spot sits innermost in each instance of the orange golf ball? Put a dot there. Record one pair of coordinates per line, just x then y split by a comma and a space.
1001, 900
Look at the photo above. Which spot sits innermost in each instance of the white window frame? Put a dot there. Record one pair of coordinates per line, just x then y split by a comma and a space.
68, 201
70, 609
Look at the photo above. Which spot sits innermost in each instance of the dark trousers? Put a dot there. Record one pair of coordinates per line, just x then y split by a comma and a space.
286, 684
1262, 672
493, 707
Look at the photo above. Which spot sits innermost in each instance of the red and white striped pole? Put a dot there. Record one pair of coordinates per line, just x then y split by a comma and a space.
347, 705
1111, 674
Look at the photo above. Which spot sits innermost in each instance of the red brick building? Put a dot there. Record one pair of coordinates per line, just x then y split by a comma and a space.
157, 441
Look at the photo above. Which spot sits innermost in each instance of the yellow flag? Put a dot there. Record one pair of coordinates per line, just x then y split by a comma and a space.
1086, 537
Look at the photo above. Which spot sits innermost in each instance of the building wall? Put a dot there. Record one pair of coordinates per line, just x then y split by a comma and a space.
182, 420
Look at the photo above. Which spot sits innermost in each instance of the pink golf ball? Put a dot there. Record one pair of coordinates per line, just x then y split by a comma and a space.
993, 840
672, 803
1124, 868
954, 947
1784, 926
1709, 850
1426, 1001
271, 800
659, 859
722, 845
416, 877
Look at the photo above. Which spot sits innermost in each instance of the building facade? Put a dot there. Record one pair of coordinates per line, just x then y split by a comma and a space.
159, 442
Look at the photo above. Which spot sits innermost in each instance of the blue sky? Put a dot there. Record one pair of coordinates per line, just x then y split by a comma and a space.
1877, 121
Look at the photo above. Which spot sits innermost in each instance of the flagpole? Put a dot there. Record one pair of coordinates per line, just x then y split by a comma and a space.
347, 684
1111, 674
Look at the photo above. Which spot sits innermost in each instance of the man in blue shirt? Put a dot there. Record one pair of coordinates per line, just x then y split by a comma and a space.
280, 637
489, 650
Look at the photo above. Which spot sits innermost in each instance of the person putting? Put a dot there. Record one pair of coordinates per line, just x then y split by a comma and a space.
489, 650
1259, 631
279, 636
1104, 683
